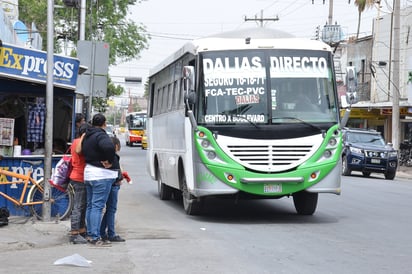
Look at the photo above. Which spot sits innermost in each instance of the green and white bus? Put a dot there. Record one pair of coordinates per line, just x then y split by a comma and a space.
245, 114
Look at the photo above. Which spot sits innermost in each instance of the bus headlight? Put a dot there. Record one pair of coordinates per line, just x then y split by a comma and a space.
327, 154
211, 155
333, 142
205, 143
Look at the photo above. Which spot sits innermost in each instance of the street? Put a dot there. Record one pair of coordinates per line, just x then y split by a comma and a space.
367, 229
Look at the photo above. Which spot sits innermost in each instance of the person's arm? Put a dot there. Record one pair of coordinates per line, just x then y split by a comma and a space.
78, 148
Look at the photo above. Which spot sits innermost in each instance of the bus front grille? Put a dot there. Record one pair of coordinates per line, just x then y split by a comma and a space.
270, 155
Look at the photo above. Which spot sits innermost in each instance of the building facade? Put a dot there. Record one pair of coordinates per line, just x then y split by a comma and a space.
373, 59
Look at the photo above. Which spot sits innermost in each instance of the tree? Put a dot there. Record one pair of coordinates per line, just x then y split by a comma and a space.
362, 5
100, 104
146, 89
105, 21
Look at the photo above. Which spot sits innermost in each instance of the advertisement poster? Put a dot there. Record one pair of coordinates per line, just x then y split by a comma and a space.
6, 131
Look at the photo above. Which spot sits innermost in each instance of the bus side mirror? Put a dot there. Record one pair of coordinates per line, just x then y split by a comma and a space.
351, 85
189, 78
190, 97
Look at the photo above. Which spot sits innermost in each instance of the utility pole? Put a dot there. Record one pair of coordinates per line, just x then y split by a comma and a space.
396, 71
330, 19
82, 20
261, 19
46, 207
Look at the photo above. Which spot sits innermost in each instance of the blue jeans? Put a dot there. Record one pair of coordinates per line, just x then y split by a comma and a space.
107, 229
97, 193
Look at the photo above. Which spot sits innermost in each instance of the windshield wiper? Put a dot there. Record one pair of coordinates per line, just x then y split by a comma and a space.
373, 140
240, 116
303, 122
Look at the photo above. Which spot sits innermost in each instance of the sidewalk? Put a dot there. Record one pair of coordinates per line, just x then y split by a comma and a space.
24, 232
404, 172
35, 247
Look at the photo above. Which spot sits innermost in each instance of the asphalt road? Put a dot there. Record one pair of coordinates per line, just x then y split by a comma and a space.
364, 230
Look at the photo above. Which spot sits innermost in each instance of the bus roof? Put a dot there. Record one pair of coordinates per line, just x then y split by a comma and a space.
252, 38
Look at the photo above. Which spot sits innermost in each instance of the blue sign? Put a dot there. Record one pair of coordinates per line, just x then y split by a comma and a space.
21, 31
31, 65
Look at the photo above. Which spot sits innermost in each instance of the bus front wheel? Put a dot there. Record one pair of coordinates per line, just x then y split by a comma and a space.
191, 204
305, 202
345, 166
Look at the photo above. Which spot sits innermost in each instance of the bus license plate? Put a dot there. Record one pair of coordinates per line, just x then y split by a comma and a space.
375, 161
272, 188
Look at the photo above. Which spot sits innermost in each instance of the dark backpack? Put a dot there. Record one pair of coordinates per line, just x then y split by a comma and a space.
4, 216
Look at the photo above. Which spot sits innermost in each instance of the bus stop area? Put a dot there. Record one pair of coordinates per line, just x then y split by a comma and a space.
33, 246
26, 233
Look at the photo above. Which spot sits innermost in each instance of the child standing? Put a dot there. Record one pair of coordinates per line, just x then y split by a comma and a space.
107, 228
78, 216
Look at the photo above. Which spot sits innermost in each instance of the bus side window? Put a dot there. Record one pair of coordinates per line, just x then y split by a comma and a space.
174, 96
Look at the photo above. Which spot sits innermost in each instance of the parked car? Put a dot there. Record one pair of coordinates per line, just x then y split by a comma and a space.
365, 150
110, 131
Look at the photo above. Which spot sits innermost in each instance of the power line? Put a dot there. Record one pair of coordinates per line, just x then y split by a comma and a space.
261, 19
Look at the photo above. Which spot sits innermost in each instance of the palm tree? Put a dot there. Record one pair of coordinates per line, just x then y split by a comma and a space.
362, 5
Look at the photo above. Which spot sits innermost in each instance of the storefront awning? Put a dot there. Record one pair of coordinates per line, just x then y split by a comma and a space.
30, 65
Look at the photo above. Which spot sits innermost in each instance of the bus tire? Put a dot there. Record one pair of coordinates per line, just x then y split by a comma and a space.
345, 168
165, 191
305, 202
191, 204
177, 194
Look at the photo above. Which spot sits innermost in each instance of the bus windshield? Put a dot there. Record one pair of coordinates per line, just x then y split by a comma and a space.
267, 86
136, 121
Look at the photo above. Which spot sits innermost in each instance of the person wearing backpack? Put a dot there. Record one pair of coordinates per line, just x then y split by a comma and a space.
78, 216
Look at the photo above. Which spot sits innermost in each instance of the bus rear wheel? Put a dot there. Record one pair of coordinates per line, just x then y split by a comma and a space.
305, 202
191, 204
165, 191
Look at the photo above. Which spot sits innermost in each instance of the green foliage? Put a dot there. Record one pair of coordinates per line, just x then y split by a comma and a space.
100, 104
113, 90
146, 89
34, 11
362, 5
105, 21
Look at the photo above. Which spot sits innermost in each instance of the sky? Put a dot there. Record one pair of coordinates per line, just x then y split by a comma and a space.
171, 24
